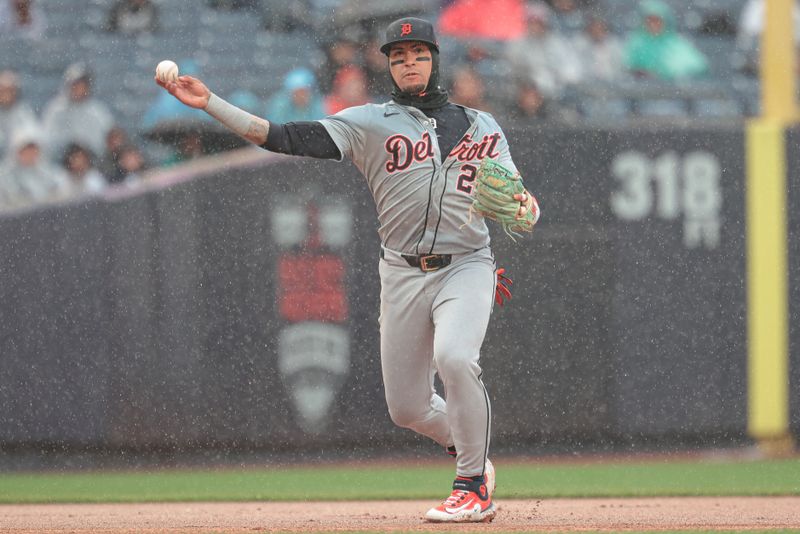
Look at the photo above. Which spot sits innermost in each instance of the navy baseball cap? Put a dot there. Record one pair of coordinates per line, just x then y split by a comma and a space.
409, 29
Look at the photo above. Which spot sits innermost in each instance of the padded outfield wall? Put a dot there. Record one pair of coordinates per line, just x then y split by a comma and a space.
236, 303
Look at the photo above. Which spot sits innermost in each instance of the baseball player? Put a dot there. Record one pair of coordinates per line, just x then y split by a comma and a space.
419, 154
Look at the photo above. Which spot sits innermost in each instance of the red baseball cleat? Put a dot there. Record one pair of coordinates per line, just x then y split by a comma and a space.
470, 502
488, 472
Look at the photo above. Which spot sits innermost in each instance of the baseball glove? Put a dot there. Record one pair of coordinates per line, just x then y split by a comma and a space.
495, 187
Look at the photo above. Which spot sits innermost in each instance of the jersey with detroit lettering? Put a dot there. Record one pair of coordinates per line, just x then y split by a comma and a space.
422, 197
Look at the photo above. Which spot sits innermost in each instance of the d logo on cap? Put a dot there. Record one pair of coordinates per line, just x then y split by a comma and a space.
407, 29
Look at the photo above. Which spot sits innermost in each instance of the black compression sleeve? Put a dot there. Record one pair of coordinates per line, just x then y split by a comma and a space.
307, 138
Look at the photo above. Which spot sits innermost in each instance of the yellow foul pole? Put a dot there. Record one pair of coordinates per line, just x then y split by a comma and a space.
767, 236
778, 63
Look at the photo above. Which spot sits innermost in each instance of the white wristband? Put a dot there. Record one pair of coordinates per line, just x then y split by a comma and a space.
234, 118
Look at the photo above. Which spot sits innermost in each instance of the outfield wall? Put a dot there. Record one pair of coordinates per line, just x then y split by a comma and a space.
237, 302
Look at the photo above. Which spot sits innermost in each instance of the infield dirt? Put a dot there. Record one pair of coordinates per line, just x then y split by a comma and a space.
675, 513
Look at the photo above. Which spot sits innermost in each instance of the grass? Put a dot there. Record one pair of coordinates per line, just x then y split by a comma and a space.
515, 480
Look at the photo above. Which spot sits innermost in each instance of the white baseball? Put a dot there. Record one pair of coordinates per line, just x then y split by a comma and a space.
167, 71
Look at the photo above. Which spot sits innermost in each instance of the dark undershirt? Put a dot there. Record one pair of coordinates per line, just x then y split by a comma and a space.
451, 125
312, 139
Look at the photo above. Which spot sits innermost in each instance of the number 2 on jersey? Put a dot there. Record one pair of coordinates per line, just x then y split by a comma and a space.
466, 178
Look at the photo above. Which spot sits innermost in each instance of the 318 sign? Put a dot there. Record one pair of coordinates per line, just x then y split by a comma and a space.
668, 186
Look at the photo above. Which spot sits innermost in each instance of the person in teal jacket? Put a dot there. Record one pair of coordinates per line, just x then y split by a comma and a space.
658, 51
298, 100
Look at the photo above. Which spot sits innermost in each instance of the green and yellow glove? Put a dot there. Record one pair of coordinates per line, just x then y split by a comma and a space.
501, 196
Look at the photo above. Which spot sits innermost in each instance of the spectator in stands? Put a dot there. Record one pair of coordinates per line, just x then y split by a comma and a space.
23, 19
543, 55
339, 53
133, 16
496, 20
349, 89
657, 50
115, 140
166, 108
379, 81
751, 24
74, 115
476, 30
282, 16
568, 15
246, 100
14, 112
531, 103
84, 176
468, 89
26, 176
232, 5
189, 146
601, 52
298, 100
131, 164
372, 16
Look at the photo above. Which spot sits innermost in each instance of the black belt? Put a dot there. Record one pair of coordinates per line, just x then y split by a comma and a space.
426, 262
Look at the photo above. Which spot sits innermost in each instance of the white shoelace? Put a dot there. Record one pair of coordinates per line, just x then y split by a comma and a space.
455, 497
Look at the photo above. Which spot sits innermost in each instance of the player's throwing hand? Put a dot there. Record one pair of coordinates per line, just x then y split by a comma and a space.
188, 90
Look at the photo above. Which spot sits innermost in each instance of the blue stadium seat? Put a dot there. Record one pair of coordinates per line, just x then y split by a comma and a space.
597, 108
54, 54
662, 107
15, 53
719, 50
748, 93
38, 88
231, 24
717, 108
285, 42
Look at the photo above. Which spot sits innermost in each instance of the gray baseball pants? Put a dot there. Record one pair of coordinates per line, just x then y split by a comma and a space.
435, 322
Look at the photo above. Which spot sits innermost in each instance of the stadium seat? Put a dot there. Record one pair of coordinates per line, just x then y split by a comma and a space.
717, 108
719, 50
662, 107
594, 108
748, 92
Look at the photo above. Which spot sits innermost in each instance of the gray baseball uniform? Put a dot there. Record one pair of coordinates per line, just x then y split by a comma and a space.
430, 321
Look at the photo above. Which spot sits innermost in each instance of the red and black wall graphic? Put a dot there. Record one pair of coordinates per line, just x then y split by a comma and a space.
314, 341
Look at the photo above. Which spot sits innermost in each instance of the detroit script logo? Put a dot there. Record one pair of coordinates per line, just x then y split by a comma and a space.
403, 151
